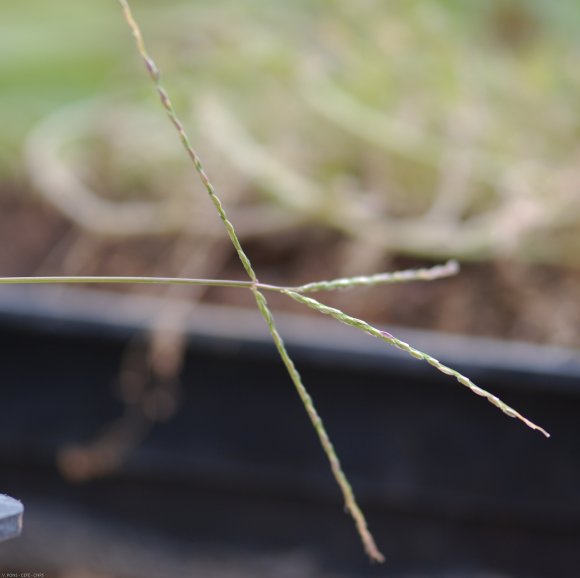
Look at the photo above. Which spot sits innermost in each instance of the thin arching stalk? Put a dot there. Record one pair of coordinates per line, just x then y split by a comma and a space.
133, 281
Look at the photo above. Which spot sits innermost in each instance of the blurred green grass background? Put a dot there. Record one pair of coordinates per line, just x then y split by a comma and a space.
430, 128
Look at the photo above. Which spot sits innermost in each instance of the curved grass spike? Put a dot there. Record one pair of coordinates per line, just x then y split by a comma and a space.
425, 274
390, 339
350, 502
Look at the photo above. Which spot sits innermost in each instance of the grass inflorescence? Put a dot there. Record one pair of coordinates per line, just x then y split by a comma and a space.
296, 293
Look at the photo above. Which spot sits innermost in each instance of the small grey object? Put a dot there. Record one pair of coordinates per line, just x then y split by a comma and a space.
11, 511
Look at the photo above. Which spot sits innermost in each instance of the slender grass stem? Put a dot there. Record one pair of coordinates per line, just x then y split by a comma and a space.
138, 281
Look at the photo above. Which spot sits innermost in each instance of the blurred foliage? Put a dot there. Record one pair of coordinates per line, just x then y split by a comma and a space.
424, 127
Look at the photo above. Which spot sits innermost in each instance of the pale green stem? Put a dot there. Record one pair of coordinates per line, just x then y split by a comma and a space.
348, 494
364, 326
138, 281
428, 274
